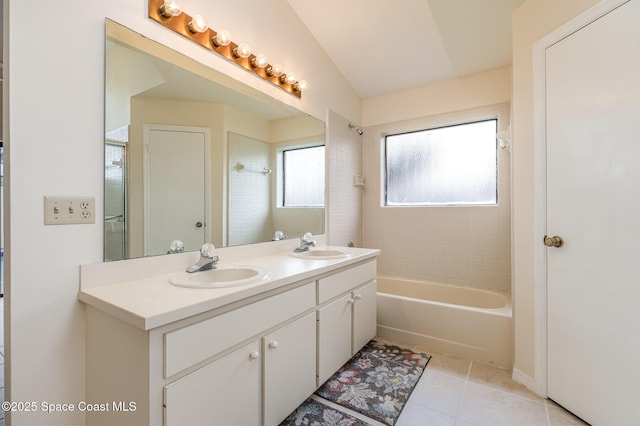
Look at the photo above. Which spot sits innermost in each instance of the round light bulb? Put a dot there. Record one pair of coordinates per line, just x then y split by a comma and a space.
260, 61
198, 24
222, 38
288, 78
274, 70
170, 8
242, 51
301, 85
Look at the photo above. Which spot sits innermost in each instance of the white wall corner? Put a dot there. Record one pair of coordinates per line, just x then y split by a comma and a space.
526, 380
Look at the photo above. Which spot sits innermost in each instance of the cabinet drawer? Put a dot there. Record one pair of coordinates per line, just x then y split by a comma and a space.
344, 281
190, 345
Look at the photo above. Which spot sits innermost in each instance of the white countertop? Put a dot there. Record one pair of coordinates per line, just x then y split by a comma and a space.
152, 302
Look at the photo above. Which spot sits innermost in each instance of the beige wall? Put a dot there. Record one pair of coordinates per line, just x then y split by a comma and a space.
467, 246
486, 88
531, 21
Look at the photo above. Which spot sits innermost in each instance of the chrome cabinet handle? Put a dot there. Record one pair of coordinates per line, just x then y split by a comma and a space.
554, 241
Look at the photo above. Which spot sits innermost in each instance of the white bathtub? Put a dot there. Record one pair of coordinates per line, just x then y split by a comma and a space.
475, 324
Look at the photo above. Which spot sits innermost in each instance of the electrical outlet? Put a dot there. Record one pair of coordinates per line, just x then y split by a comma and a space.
66, 210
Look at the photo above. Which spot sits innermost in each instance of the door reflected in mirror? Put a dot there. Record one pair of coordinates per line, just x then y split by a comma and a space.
192, 155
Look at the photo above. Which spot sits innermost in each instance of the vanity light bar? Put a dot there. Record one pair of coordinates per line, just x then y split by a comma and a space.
169, 14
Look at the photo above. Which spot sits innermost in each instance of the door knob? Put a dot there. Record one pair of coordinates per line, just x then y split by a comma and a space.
554, 241
198, 224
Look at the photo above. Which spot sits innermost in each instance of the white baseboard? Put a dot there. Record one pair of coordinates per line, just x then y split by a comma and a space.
526, 380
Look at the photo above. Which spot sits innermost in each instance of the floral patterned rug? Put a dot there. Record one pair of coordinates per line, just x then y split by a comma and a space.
314, 413
376, 383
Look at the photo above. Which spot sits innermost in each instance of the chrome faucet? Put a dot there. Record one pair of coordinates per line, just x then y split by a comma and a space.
305, 242
207, 259
279, 235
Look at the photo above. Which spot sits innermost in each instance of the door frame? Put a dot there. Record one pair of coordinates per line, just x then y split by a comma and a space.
147, 128
539, 384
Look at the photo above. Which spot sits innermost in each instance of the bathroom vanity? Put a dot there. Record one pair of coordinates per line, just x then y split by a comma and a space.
247, 354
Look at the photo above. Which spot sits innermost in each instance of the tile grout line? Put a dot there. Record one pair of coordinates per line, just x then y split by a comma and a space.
546, 411
464, 390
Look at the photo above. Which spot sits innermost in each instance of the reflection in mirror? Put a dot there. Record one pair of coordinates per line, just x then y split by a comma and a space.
195, 156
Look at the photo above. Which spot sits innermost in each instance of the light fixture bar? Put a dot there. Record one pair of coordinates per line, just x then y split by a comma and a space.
182, 24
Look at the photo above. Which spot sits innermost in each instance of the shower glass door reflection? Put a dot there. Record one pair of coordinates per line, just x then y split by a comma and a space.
115, 196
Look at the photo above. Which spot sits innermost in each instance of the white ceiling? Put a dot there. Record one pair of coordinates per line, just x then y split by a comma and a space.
385, 46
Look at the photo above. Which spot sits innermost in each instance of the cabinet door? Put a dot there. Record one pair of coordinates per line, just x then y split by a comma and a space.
364, 315
334, 336
225, 392
289, 368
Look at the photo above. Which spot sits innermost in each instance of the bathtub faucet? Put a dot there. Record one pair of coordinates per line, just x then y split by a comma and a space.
207, 259
305, 242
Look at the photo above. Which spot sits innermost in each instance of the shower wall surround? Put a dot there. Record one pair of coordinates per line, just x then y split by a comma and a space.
460, 245
344, 215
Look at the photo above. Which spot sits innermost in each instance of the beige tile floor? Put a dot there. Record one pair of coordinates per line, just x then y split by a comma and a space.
458, 392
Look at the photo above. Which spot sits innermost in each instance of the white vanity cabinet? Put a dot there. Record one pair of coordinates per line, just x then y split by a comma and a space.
250, 364
346, 316
249, 361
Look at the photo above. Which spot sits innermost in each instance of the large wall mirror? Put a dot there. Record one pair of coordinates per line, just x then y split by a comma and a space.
195, 156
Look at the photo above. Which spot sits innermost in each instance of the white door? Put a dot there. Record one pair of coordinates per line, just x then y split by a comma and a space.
175, 187
593, 204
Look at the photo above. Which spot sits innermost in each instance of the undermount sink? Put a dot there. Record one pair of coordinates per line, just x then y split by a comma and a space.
319, 254
220, 277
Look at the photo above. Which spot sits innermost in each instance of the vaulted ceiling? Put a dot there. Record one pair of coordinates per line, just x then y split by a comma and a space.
385, 46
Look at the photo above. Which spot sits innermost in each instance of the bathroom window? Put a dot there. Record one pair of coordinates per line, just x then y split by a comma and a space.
303, 177
451, 165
